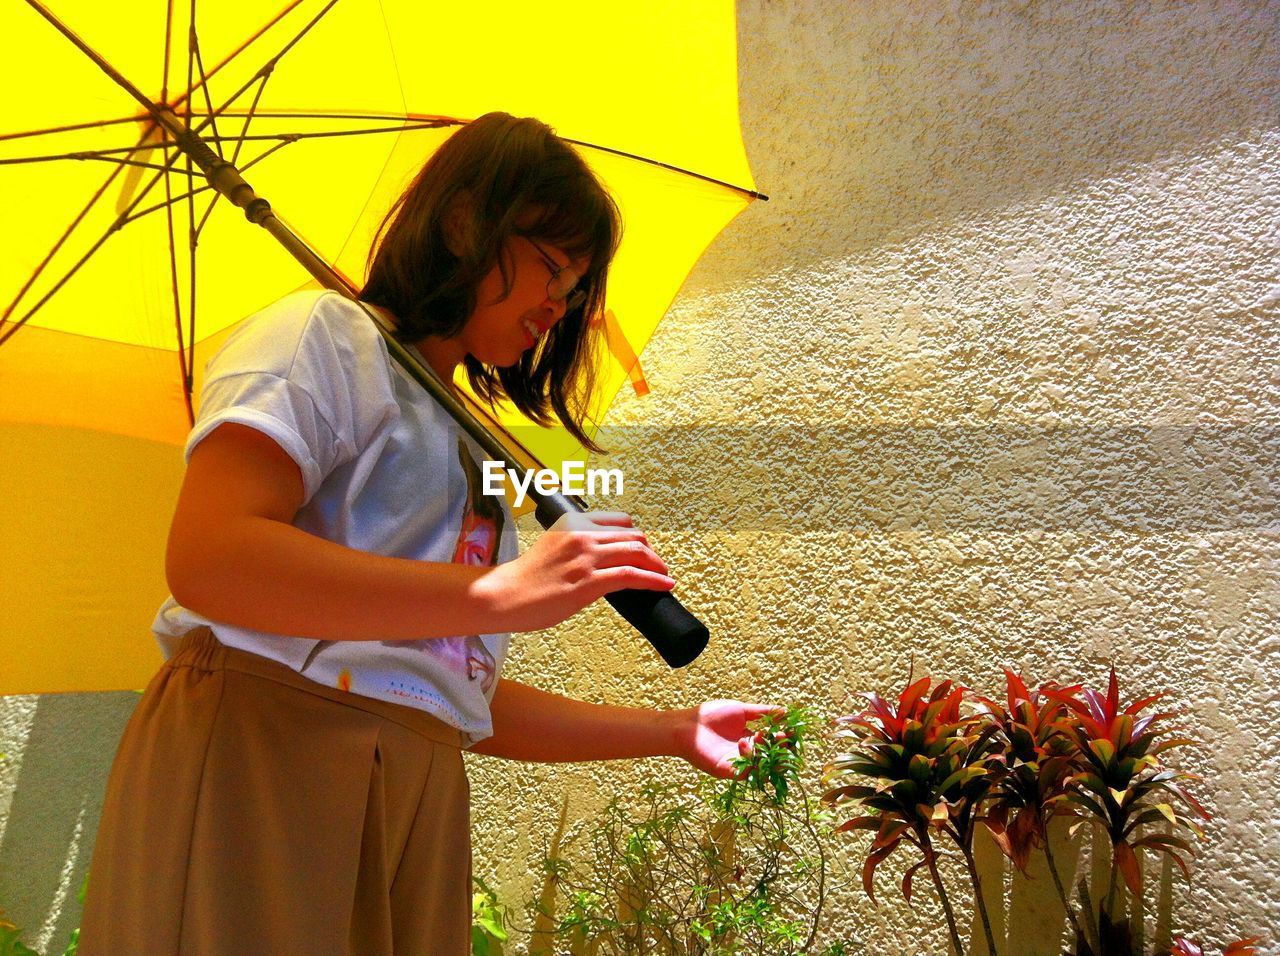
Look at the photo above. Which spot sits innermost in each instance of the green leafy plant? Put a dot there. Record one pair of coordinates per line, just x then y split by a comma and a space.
10, 944
736, 866
776, 759
488, 921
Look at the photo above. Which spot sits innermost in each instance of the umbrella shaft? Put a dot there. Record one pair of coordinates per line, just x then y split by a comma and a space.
675, 633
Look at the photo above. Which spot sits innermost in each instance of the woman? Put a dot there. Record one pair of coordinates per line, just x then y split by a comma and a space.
343, 594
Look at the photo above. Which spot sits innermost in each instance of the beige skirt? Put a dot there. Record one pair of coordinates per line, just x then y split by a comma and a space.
251, 810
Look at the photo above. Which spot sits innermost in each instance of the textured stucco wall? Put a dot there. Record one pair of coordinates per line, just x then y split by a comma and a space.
991, 379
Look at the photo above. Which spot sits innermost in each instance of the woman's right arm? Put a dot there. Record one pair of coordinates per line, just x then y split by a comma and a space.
234, 557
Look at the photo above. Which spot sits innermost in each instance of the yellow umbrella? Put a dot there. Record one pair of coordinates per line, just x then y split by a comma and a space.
329, 108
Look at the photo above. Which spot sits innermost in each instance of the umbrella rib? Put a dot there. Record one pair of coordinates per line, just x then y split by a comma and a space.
101, 155
440, 121
434, 123
177, 302
301, 33
69, 128
198, 228
270, 65
248, 118
58, 244
207, 211
204, 83
240, 143
72, 127
675, 169
191, 64
193, 239
49, 257
168, 45
193, 52
104, 155
193, 59
242, 47
294, 137
369, 115
107, 154
14, 326
117, 224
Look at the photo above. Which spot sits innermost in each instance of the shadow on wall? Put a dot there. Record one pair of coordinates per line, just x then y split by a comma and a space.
57, 801
867, 123
1025, 911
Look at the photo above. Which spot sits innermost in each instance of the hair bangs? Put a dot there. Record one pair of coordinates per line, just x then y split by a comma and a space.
495, 178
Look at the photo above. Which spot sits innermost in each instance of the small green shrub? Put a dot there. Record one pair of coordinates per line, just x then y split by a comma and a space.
12, 945
735, 866
488, 921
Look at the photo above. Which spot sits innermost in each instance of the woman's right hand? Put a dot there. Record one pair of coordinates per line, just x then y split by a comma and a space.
578, 560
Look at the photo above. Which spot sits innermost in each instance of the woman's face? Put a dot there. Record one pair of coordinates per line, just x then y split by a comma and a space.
501, 330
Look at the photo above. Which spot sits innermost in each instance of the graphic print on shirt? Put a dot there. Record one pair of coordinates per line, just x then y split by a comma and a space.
477, 545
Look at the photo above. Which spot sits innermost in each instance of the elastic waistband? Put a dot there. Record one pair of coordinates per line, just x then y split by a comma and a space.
201, 650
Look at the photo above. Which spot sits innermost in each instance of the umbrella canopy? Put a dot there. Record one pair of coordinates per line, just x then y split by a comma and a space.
121, 274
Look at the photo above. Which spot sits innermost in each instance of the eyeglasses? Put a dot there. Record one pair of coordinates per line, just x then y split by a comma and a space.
563, 284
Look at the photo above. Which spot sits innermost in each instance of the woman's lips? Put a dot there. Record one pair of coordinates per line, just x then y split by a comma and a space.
535, 326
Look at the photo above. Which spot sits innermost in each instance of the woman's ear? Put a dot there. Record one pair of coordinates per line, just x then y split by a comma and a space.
459, 227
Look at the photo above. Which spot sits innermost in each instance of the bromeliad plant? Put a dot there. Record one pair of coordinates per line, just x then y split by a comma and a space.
1034, 787
1059, 750
1119, 780
1241, 947
931, 768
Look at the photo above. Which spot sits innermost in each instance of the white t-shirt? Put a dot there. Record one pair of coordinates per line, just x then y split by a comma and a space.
385, 470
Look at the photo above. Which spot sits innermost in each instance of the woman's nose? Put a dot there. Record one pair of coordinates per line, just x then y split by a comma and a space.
554, 310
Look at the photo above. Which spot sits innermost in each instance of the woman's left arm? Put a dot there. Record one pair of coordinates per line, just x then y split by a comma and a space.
531, 724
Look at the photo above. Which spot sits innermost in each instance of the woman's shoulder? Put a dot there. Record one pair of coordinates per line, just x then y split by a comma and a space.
309, 327
316, 313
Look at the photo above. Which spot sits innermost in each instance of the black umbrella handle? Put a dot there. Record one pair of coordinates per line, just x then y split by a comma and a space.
675, 634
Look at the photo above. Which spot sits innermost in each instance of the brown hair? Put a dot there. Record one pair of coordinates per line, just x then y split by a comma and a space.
497, 177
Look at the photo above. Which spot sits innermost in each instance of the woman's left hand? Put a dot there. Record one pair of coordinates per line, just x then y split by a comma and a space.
714, 734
